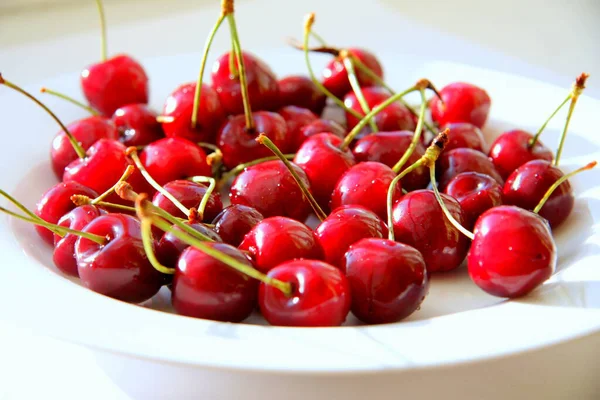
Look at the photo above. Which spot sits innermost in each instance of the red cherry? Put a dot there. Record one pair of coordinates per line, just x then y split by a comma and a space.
511, 150
463, 102
335, 76
512, 252
114, 83
180, 106
315, 127
137, 125
346, 226
271, 189
239, 145
324, 163
388, 280
464, 134
189, 194
476, 193
299, 90
320, 297
262, 84
526, 186
296, 119
420, 222
277, 239
388, 148
235, 221
453, 162
366, 184
118, 268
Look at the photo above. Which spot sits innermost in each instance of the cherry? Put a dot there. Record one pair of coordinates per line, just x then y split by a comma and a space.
343, 227
238, 144
465, 135
511, 149
335, 76
320, 295
366, 184
118, 268
271, 189
189, 194
137, 125
512, 252
296, 119
319, 126
418, 220
324, 163
275, 240
235, 221
476, 193
453, 162
462, 102
388, 280
300, 91
169, 247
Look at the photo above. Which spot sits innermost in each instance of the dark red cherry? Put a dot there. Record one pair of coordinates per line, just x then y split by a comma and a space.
464, 134
511, 150
119, 268
324, 163
278, 239
420, 222
56, 202
87, 131
366, 184
239, 145
262, 84
346, 226
513, 252
114, 83
453, 162
169, 248
388, 280
526, 187
318, 126
271, 189
296, 118
335, 76
299, 90
388, 148
190, 194
180, 106
235, 221
137, 125
476, 193
320, 297
463, 102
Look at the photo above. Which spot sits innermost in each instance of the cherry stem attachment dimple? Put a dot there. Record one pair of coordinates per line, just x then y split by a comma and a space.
352, 78
103, 44
578, 88
128, 172
416, 136
559, 182
70, 100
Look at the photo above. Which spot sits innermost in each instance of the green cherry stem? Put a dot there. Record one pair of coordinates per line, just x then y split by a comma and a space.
348, 64
82, 200
70, 100
319, 38
416, 136
212, 184
148, 242
578, 87
103, 45
19, 205
239, 168
128, 172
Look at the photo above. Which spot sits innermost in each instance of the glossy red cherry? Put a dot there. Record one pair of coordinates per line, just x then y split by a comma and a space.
271, 189
526, 187
262, 84
190, 194
388, 148
463, 102
56, 202
464, 134
114, 83
420, 222
324, 163
511, 149
239, 145
335, 76
512, 253
388, 280
87, 131
299, 90
296, 118
119, 268
366, 184
169, 248
453, 162
346, 226
235, 221
180, 106
320, 297
316, 127
137, 125
476, 193
277, 239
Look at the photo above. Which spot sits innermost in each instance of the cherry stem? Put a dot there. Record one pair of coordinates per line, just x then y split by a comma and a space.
82, 200
209, 146
212, 184
198, 91
148, 242
128, 172
416, 136
318, 37
70, 100
103, 51
265, 141
578, 88
165, 119
535, 138
76, 145
559, 182
18, 204
241, 167
348, 64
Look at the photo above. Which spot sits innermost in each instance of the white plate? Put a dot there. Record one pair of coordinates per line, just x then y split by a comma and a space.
457, 323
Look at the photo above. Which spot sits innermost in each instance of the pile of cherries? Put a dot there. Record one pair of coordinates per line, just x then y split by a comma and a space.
139, 201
